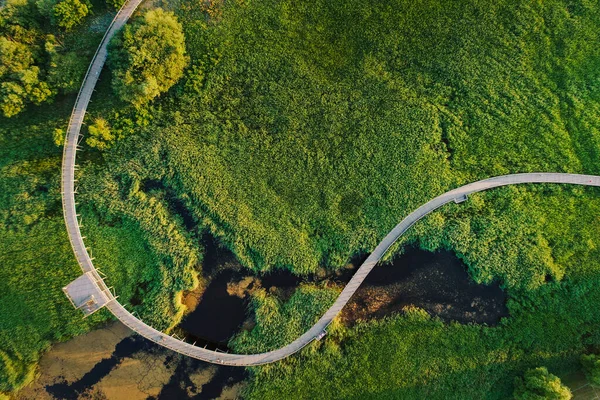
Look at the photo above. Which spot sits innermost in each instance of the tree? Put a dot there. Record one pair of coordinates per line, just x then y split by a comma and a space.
46, 8
34, 65
591, 366
147, 57
20, 79
65, 14
100, 136
66, 69
68, 13
539, 384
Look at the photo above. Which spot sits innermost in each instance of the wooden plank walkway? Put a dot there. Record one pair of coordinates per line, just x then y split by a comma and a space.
83, 258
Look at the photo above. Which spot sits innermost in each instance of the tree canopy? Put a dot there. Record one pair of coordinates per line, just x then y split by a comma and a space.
69, 13
591, 366
539, 384
148, 57
21, 80
35, 62
100, 135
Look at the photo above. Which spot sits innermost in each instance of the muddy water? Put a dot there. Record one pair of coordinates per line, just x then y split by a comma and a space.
111, 363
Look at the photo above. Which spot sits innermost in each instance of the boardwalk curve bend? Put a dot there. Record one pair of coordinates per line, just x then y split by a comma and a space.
98, 289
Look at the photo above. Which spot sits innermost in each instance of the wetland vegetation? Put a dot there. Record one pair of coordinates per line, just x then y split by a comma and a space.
297, 136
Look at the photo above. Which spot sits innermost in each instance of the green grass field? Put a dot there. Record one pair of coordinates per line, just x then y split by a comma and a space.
301, 133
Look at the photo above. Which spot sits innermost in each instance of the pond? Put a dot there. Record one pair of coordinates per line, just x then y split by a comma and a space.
435, 281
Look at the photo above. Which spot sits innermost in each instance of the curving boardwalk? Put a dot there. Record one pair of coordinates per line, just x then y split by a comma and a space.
83, 258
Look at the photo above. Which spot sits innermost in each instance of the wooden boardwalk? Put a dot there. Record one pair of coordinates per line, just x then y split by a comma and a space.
83, 258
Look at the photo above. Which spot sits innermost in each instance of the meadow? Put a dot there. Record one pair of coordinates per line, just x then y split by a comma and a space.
300, 134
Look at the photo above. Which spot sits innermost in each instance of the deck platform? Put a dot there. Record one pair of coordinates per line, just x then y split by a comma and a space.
86, 293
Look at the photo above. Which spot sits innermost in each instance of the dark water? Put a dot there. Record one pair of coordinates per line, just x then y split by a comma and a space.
281, 279
218, 316
437, 282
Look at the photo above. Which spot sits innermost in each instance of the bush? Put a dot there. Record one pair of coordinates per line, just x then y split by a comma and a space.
69, 13
538, 383
148, 57
277, 323
591, 366
100, 136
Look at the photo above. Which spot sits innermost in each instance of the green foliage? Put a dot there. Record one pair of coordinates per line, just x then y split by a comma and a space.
35, 254
147, 57
99, 136
58, 137
482, 231
306, 130
36, 62
302, 133
279, 324
116, 4
37, 259
19, 77
591, 366
69, 13
65, 14
415, 356
317, 130
66, 67
177, 254
46, 8
539, 384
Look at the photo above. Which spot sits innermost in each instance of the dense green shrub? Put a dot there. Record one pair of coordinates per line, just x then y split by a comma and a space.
69, 13
64, 14
116, 4
539, 384
99, 135
147, 57
66, 68
591, 366
35, 252
279, 324
19, 77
